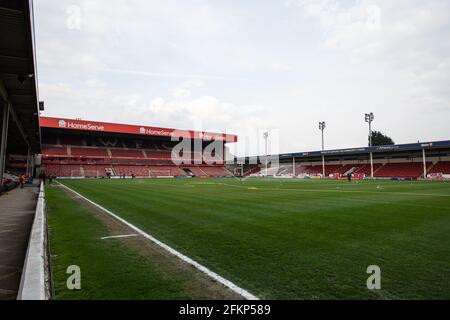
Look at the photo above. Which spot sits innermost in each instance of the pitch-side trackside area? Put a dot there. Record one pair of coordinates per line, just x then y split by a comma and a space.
278, 239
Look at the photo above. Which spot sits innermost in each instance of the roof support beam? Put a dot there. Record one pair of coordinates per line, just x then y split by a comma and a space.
3, 92
4, 95
4, 142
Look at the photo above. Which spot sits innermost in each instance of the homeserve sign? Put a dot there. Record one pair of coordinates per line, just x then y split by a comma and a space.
81, 126
178, 133
152, 132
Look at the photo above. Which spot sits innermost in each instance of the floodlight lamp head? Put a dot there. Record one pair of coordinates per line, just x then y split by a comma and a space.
322, 125
369, 117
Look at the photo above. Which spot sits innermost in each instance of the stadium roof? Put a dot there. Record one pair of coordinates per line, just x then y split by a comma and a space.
377, 149
433, 145
95, 126
18, 76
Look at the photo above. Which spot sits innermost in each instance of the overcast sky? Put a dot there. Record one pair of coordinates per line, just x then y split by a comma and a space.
249, 66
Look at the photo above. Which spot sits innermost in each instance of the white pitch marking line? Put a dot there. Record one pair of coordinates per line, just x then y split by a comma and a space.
346, 191
244, 293
120, 236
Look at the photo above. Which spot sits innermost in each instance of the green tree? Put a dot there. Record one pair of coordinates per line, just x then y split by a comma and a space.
380, 139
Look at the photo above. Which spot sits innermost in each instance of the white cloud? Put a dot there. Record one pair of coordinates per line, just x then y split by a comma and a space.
378, 28
184, 90
176, 63
201, 112
406, 36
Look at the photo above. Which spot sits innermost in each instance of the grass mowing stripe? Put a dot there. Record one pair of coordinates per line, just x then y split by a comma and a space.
244, 293
344, 191
109, 270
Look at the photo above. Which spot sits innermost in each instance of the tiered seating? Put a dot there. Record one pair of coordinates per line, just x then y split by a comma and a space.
300, 169
86, 156
198, 172
317, 169
138, 171
158, 154
285, 169
70, 140
330, 169
49, 140
127, 153
70, 171
97, 152
94, 171
158, 171
54, 150
365, 169
52, 169
441, 167
209, 159
270, 171
216, 171
400, 170
346, 168
254, 170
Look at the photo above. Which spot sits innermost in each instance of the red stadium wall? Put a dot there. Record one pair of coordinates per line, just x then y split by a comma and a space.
78, 152
95, 126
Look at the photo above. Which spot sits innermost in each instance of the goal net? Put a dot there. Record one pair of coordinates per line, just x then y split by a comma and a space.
85, 174
91, 173
160, 173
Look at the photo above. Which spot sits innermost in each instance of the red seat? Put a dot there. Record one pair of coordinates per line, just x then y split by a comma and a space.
127, 153
400, 170
97, 152
441, 167
54, 150
365, 169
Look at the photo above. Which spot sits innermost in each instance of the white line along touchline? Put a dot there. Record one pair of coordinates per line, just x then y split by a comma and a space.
244, 293
120, 236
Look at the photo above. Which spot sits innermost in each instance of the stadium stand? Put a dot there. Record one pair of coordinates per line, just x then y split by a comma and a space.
441, 167
54, 150
161, 171
216, 171
401, 170
317, 169
198, 172
78, 154
253, 170
71, 171
127, 153
69, 140
347, 168
97, 152
138, 171
158, 154
93, 171
365, 169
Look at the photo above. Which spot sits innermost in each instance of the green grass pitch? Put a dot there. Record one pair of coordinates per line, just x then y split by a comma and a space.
280, 239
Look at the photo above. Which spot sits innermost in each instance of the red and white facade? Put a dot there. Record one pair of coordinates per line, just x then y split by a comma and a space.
80, 148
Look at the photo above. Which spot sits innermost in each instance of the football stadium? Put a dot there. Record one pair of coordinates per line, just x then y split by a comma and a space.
95, 210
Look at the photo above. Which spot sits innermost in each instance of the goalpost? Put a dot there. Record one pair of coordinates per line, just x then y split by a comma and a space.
160, 173
86, 174
91, 173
